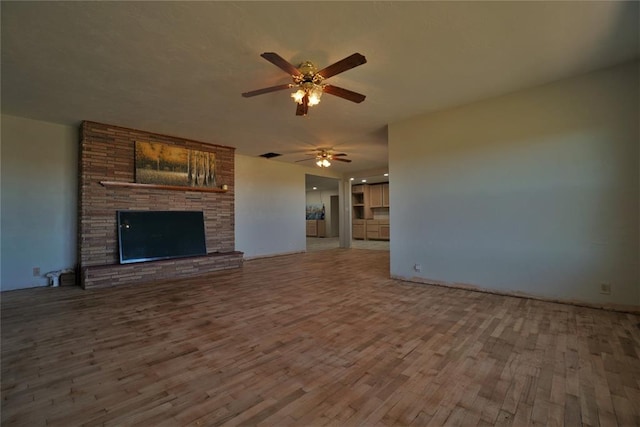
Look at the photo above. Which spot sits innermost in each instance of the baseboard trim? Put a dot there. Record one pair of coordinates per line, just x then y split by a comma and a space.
631, 309
250, 258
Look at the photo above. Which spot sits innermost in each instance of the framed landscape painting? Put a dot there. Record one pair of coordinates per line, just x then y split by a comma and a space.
166, 164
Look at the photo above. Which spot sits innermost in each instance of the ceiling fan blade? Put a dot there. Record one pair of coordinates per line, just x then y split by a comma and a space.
339, 154
344, 93
281, 63
303, 109
343, 65
342, 160
267, 90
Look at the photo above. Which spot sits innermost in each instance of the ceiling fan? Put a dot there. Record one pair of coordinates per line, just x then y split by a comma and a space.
309, 81
324, 158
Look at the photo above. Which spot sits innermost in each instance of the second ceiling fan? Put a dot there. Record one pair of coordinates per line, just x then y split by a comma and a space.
309, 81
324, 158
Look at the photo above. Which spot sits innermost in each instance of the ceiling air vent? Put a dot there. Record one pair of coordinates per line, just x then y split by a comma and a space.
270, 155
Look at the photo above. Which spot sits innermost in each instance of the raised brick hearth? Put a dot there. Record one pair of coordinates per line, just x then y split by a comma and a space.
107, 154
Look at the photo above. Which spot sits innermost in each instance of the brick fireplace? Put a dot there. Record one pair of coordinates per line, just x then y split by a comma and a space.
107, 174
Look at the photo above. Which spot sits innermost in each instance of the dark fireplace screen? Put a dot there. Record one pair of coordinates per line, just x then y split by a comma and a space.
154, 235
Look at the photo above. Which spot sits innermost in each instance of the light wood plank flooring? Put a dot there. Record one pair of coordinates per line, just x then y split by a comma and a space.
324, 243
312, 339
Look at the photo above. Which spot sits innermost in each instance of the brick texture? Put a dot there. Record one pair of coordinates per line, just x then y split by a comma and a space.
107, 154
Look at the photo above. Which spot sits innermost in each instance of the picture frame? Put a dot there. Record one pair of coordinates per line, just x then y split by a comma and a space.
171, 165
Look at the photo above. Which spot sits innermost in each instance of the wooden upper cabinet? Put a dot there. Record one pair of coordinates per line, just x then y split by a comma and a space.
361, 202
385, 194
375, 196
359, 188
379, 195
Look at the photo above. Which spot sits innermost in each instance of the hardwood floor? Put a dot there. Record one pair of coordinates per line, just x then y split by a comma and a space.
308, 340
324, 243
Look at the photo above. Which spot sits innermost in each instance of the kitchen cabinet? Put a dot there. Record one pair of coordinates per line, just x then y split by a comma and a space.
358, 229
379, 195
360, 204
377, 229
383, 230
385, 195
367, 199
373, 229
312, 228
375, 196
316, 228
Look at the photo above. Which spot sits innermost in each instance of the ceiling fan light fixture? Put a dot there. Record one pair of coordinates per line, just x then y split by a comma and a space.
313, 92
323, 163
297, 96
314, 95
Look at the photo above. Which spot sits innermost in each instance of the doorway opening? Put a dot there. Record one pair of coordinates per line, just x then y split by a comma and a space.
370, 208
322, 212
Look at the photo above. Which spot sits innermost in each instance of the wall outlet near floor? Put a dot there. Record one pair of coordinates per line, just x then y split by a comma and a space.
36, 271
605, 288
417, 267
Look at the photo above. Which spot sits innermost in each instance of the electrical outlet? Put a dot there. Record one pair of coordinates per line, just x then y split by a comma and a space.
417, 267
605, 288
36, 271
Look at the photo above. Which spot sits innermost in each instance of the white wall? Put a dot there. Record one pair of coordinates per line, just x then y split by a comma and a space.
269, 207
535, 192
38, 200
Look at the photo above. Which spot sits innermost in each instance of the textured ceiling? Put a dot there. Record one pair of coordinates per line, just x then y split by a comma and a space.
179, 67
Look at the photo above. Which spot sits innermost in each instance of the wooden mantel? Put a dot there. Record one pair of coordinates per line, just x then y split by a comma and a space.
161, 187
